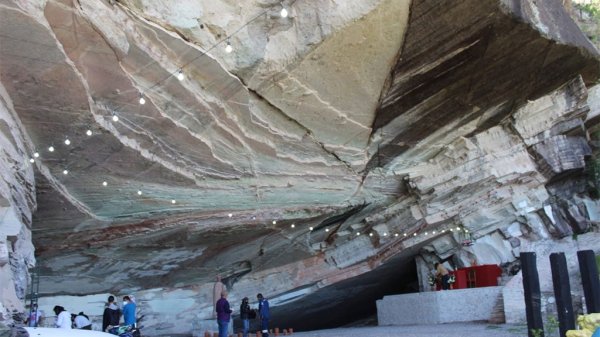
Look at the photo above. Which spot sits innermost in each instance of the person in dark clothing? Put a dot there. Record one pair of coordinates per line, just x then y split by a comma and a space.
245, 313
264, 314
111, 315
223, 314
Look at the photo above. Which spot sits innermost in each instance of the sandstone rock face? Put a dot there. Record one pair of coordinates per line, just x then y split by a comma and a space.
312, 164
17, 203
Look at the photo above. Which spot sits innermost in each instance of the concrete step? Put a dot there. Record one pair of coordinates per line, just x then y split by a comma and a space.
497, 316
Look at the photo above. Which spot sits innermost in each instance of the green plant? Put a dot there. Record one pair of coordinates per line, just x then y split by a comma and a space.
590, 22
592, 8
537, 332
552, 325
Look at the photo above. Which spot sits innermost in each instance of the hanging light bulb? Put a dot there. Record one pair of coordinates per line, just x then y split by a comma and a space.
357, 233
230, 215
284, 12
228, 48
115, 118
404, 234
88, 132
396, 234
370, 234
67, 141
31, 160
173, 201
36, 154
292, 225
142, 99
414, 234
180, 75
104, 183
327, 229
51, 149
65, 172
139, 192
310, 228
274, 222
384, 234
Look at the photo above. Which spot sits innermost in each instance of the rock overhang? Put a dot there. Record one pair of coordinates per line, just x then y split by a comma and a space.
380, 107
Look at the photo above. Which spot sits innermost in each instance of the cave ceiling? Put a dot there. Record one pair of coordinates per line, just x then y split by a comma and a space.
316, 120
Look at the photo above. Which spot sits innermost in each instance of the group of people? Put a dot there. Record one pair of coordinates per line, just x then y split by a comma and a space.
66, 320
224, 312
112, 313
110, 318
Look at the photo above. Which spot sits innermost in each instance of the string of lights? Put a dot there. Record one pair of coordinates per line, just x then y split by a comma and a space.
179, 74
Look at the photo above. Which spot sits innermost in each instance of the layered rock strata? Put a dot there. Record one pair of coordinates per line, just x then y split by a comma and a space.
17, 203
311, 164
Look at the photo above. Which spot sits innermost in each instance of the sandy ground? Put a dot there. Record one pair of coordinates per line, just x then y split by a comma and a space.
440, 330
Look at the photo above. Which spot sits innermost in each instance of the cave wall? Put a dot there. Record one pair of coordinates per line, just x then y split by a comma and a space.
17, 203
330, 147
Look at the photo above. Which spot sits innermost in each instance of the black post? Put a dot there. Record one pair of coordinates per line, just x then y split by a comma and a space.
533, 299
562, 292
589, 278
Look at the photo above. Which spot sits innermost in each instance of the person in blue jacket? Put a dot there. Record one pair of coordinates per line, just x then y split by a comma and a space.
128, 311
264, 314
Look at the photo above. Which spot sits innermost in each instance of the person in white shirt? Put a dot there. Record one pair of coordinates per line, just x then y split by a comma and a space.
63, 318
35, 316
82, 321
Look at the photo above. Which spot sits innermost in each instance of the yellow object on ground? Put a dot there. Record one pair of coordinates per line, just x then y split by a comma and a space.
587, 323
579, 333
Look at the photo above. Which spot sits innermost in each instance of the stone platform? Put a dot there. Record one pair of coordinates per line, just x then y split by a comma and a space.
446, 330
461, 305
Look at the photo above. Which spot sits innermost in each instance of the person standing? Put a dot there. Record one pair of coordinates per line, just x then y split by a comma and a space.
442, 273
245, 312
264, 314
35, 316
63, 318
128, 311
218, 288
223, 314
111, 314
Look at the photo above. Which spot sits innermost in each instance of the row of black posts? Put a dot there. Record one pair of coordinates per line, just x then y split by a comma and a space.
562, 290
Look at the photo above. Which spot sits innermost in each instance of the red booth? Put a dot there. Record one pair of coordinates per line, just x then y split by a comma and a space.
476, 276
